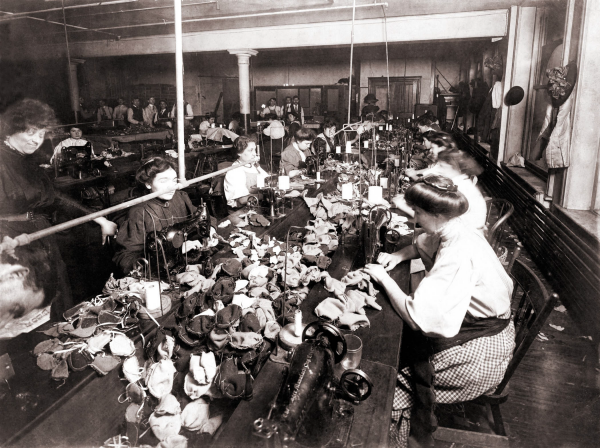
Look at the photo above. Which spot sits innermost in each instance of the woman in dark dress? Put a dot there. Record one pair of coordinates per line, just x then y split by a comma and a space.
27, 196
168, 209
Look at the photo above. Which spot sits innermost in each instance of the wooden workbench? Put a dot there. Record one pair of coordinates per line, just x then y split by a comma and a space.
84, 411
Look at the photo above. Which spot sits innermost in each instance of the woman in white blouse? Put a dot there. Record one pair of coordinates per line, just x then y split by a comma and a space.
241, 182
460, 313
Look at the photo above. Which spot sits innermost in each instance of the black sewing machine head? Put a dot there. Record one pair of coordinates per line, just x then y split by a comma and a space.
169, 241
309, 409
376, 235
76, 160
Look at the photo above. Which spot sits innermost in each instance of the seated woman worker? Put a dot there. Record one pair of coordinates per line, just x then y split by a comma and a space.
293, 158
169, 208
462, 337
241, 182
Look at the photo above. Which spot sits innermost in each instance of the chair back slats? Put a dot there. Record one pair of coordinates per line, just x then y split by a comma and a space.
535, 305
571, 265
504, 209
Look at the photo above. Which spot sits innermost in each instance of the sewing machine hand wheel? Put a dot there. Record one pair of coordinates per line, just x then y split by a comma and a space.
356, 385
392, 237
323, 330
252, 201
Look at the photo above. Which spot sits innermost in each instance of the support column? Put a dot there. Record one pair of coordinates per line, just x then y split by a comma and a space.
243, 57
582, 184
520, 75
73, 84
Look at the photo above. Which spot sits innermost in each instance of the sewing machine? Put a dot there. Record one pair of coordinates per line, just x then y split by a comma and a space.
166, 244
314, 408
376, 235
77, 161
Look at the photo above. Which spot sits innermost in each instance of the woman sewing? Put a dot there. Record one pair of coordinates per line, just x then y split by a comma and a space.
171, 207
463, 337
326, 141
27, 196
241, 182
435, 142
293, 158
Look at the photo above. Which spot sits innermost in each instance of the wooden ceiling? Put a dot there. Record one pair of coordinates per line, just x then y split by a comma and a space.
35, 21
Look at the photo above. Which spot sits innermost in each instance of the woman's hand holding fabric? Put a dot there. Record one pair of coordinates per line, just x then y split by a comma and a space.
377, 272
388, 261
190, 245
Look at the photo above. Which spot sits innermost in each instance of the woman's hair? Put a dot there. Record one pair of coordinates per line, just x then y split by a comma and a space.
460, 161
423, 120
303, 134
443, 140
24, 115
148, 171
428, 135
241, 143
329, 123
437, 195
295, 126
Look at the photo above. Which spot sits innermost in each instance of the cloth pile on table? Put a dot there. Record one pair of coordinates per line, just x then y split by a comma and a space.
346, 309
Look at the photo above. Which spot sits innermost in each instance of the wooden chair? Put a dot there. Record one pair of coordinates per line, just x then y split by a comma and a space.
504, 209
531, 305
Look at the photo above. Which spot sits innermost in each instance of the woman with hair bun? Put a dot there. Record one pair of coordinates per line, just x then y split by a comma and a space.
171, 207
462, 336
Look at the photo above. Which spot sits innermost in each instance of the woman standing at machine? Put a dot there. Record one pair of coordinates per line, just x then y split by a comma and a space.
241, 182
27, 196
460, 313
169, 208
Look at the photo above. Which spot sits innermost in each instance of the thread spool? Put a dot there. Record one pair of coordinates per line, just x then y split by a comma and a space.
375, 194
347, 191
152, 295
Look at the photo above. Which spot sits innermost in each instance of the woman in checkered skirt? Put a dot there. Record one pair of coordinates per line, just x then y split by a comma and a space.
462, 337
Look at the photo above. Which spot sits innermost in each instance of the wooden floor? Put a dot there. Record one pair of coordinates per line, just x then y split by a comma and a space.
554, 399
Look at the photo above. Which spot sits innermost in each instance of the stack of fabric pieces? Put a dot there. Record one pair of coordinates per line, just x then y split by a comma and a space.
346, 309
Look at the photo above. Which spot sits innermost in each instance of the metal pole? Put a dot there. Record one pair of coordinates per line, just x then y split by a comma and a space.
25, 238
68, 58
351, 58
179, 80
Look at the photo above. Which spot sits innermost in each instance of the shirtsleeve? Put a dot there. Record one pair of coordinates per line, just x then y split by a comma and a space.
235, 184
288, 161
442, 299
130, 240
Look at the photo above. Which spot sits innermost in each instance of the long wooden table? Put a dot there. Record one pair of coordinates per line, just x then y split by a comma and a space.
84, 411
380, 358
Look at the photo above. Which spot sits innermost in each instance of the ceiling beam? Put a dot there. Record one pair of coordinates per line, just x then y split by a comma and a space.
241, 16
16, 15
52, 22
455, 26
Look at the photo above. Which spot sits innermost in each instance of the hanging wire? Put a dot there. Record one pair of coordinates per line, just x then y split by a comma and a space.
351, 58
387, 59
68, 57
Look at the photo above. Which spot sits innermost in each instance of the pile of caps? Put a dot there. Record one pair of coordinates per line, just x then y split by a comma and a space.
93, 335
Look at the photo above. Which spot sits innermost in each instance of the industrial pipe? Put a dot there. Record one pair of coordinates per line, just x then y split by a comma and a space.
25, 238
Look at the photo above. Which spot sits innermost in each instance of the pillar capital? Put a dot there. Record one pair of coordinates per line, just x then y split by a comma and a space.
243, 54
